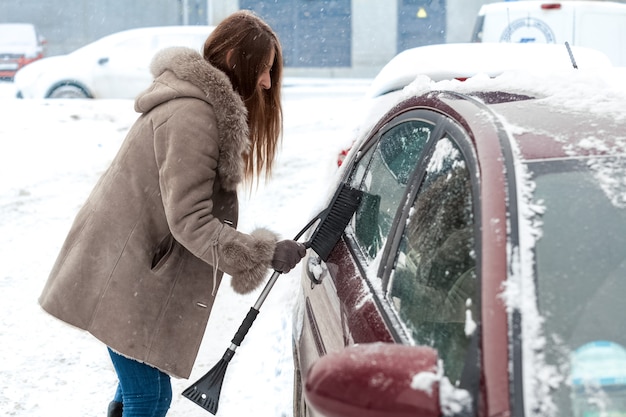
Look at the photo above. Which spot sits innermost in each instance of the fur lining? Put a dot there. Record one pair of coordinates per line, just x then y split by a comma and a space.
230, 111
254, 262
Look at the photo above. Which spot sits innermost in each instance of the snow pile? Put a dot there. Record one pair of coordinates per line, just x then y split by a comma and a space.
454, 401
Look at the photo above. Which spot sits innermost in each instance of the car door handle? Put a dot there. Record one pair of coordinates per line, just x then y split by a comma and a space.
103, 61
316, 270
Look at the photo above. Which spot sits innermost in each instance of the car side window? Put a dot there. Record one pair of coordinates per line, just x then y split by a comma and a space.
434, 278
382, 173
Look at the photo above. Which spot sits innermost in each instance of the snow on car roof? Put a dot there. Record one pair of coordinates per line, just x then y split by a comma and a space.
560, 95
599, 91
464, 60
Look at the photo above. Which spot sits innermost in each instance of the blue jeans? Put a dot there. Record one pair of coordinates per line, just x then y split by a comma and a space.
143, 390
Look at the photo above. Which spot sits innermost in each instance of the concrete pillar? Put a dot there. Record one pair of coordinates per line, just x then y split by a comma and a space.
460, 19
218, 10
374, 32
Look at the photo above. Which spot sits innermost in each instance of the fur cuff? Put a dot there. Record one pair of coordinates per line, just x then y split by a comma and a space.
253, 263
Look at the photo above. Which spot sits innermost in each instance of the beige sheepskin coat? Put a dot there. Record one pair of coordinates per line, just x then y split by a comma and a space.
147, 251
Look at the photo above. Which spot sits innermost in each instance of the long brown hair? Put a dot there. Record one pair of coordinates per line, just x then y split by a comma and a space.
251, 41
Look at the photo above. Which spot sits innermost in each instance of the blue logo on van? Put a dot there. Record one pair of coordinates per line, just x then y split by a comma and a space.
528, 30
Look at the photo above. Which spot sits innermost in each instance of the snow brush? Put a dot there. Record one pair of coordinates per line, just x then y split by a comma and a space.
333, 220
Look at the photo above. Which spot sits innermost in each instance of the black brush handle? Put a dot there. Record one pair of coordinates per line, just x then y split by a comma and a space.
245, 326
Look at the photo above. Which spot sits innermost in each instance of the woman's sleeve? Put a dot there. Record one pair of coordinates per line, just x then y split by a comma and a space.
187, 152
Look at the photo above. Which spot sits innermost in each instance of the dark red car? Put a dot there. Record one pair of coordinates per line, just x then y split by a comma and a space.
484, 272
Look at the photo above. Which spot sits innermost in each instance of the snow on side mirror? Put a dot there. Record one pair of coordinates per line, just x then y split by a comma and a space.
375, 380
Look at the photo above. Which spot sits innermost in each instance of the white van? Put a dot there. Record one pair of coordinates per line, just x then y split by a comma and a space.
594, 24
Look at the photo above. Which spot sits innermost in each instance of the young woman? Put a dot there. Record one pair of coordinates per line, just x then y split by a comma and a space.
144, 258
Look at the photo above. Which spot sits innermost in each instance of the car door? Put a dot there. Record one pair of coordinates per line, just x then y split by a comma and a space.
122, 70
339, 307
412, 237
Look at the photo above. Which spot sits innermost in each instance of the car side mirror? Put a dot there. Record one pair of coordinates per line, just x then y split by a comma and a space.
375, 380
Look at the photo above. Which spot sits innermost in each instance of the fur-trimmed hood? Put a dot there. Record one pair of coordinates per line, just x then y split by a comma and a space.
183, 72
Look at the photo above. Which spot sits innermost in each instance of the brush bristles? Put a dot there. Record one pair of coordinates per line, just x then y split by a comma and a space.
328, 232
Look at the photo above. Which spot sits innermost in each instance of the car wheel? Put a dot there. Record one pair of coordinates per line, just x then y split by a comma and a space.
68, 91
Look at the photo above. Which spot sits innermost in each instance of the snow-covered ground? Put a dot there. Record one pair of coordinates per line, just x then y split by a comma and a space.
51, 154
53, 151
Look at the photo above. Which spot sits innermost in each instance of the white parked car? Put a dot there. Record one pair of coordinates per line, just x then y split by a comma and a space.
20, 44
115, 66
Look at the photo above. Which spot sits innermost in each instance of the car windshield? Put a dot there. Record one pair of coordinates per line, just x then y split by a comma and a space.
581, 282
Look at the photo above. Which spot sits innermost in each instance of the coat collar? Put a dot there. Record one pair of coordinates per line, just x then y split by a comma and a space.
230, 111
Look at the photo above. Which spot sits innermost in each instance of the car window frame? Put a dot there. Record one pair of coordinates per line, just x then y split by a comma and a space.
364, 151
443, 125
378, 280
454, 131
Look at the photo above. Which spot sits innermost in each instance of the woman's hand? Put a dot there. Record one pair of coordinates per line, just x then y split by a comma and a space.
287, 254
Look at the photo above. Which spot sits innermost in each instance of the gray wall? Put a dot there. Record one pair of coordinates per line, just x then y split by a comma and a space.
69, 24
